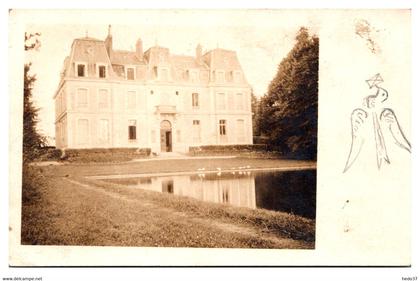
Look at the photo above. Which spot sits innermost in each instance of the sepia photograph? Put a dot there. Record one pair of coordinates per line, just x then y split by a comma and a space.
210, 137
132, 138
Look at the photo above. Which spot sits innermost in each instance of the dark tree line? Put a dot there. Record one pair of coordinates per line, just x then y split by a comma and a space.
32, 140
288, 113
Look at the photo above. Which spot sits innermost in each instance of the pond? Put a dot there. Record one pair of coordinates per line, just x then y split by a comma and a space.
285, 191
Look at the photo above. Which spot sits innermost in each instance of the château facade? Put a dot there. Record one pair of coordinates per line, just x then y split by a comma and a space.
111, 98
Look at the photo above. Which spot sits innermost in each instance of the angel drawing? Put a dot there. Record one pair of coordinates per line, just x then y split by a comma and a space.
382, 118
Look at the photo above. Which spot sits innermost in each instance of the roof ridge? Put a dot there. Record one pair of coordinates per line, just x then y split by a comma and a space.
89, 39
123, 51
183, 56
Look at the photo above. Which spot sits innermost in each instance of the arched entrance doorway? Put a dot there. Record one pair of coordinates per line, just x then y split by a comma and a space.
165, 136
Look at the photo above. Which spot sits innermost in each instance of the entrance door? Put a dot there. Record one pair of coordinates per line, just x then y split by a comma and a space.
165, 136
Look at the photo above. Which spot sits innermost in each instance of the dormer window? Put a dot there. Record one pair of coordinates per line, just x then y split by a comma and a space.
220, 76
161, 58
155, 72
81, 70
163, 74
130, 73
237, 76
102, 71
193, 76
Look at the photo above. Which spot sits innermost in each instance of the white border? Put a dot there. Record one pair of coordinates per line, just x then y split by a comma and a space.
189, 274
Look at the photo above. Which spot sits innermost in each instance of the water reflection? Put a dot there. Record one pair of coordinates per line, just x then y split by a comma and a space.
291, 191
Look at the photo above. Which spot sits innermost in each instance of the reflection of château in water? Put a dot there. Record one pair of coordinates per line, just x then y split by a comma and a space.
291, 191
234, 190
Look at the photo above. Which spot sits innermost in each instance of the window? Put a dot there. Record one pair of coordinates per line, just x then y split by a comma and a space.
230, 101
220, 101
222, 127
104, 130
164, 74
83, 131
196, 131
161, 58
130, 73
237, 76
225, 195
81, 70
239, 101
82, 98
132, 128
204, 76
194, 76
131, 100
58, 130
61, 102
220, 76
62, 131
240, 130
103, 98
195, 103
102, 71
166, 98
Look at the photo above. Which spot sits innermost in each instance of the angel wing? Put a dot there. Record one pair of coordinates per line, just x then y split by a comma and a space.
390, 121
358, 120
381, 153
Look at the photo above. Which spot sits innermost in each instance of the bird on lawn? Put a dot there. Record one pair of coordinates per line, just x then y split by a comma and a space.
387, 120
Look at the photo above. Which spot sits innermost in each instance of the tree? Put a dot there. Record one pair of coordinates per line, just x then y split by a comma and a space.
289, 111
32, 140
255, 108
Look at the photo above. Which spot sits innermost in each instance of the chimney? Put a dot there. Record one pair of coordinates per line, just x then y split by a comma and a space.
108, 41
139, 49
198, 52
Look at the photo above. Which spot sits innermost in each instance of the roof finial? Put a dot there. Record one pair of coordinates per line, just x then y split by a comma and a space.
109, 30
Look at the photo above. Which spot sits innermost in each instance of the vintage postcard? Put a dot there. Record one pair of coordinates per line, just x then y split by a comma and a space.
210, 137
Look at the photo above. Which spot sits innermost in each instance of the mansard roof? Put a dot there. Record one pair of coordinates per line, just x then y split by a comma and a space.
92, 51
89, 50
186, 62
121, 57
222, 59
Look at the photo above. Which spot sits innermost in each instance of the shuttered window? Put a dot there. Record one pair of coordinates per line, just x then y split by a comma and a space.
222, 127
132, 129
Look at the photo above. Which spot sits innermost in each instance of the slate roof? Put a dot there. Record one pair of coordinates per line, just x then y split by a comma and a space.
93, 51
222, 59
124, 57
89, 50
186, 62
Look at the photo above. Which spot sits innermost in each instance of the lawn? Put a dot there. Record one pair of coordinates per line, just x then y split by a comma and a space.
64, 207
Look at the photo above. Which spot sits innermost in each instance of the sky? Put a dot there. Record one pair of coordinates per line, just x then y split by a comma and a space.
261, 39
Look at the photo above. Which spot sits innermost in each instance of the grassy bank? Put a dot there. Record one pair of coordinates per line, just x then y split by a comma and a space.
169, 165
73, 210
278, 223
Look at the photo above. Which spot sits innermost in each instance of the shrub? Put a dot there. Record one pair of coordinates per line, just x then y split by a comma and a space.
228, 148
105, 154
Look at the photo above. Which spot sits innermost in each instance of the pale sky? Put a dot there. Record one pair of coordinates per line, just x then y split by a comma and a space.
260, 38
